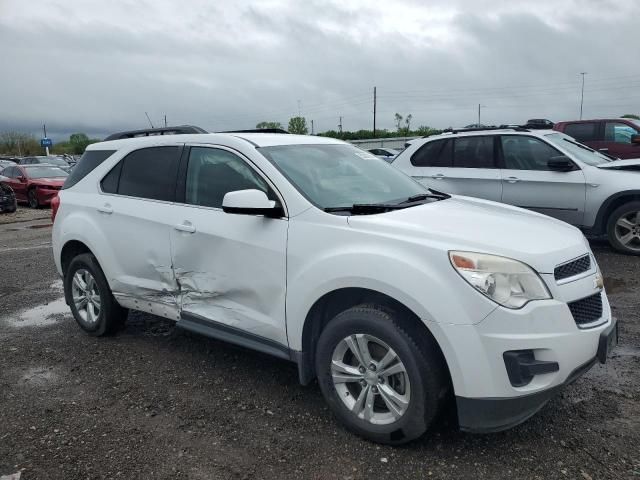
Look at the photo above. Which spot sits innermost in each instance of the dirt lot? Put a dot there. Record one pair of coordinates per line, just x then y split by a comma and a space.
152, 402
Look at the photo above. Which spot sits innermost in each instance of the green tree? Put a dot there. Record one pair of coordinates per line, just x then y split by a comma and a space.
79, 142
298, 125
270, 125
398, 119
630, 115
19, 143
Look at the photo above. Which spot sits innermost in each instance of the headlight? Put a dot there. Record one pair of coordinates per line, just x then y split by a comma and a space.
507, 282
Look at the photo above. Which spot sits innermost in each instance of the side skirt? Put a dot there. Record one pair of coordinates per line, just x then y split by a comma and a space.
202, 326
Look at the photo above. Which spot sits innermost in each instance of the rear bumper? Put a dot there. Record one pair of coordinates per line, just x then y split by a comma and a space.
487, 415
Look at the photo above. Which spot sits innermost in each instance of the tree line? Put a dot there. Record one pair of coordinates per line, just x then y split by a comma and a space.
25, 144
298, 125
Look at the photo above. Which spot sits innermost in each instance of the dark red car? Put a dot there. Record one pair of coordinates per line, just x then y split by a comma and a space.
619, 137
34, 184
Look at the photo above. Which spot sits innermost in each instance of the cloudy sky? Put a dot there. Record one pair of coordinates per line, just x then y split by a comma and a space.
97, 66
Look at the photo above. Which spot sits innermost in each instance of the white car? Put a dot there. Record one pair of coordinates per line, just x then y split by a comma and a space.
387, 154
541, 170
307, 248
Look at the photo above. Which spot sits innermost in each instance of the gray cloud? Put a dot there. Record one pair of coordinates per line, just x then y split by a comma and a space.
98, 66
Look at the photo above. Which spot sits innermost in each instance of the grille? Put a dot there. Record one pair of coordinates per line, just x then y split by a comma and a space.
587, 310
575, 267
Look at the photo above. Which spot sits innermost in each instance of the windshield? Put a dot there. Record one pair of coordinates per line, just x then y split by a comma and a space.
331, 176
45, 172
578, 150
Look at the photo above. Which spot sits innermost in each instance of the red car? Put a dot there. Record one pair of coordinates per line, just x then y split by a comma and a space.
619, 137
34, 184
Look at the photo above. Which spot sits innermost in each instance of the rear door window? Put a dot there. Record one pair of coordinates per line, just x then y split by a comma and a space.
434, 154
474, 152
146, 173
583, 132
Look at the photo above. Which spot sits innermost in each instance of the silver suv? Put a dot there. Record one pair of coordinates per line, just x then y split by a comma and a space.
542, 170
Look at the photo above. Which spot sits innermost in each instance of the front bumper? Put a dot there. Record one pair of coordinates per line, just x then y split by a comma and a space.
486, 415
45, 195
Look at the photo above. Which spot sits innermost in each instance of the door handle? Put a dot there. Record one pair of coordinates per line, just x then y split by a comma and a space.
438, 176
186, 227
512, 179
106, 208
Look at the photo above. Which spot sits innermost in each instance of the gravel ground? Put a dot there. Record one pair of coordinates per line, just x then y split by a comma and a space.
153, 402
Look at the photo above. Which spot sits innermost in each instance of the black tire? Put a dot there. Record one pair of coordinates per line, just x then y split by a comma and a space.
618, 213
32, 199
111, 316
423, 366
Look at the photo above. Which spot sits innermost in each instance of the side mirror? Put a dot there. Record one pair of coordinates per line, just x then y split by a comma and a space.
22, 179
560, 163
635, 139
250, 202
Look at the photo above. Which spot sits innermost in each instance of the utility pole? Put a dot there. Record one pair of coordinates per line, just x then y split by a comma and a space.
374, 112
340, 125
582, 94
165, 121
299, 108
44, 129
479, 117
311, 127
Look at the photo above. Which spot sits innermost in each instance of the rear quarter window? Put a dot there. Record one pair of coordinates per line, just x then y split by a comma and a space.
87, 163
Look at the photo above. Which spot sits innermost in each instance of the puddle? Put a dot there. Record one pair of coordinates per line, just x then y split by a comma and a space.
39, 376
41, 315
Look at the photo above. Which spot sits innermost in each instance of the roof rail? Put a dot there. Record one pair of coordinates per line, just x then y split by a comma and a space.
517, 128
257, 130
147, 132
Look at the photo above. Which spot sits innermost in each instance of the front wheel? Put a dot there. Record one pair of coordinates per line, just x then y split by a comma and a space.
379, 381
32, 198
623, 228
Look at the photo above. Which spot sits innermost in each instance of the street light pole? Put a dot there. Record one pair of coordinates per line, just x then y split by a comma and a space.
44, 129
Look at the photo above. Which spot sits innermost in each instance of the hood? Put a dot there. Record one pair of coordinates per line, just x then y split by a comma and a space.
629, 164
471, 224
49, 182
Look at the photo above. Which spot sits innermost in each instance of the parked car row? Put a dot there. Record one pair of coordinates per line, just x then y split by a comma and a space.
619, 137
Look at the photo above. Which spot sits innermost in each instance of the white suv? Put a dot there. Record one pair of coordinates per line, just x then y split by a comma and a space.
395, 297
541, 170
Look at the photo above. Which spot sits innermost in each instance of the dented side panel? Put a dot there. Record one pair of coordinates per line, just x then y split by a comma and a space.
232, 270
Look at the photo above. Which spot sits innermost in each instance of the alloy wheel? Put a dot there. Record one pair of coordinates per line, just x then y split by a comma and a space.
627, 230
370, 379
86, 296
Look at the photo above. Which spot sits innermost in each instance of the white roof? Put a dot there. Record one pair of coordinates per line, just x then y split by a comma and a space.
258, 139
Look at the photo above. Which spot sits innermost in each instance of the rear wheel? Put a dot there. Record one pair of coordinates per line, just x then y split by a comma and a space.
32, 198
623, 228
89, 296
377, 379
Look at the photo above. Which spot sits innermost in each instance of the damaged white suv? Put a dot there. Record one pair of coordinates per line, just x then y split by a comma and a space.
394, 296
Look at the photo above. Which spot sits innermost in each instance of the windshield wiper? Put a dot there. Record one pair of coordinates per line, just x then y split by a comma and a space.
364, 208
423, 196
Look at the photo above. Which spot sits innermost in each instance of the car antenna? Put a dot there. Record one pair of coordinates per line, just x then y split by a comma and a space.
149, 120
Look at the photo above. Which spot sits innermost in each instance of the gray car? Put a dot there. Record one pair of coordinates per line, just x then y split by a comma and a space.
541, 170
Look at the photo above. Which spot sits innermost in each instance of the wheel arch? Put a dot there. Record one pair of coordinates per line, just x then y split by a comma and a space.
70, 250
608, 207
341, 299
